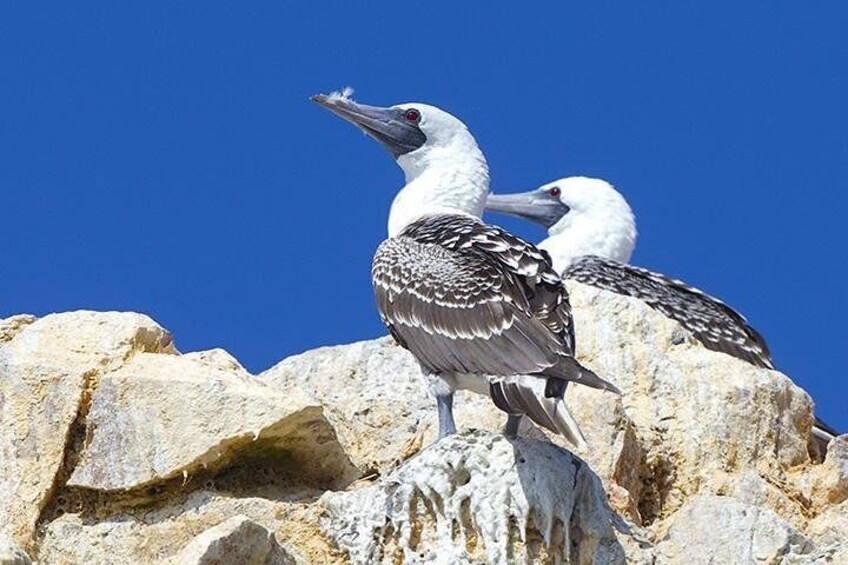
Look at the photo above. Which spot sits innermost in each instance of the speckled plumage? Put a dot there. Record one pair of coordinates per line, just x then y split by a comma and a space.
715, 324
450, 281
465, 297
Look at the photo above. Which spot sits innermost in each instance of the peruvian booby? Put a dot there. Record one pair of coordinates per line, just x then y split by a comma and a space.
591, 236
479, 308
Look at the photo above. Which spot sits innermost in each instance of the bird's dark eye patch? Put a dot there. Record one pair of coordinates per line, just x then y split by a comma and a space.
412, 115
554, 192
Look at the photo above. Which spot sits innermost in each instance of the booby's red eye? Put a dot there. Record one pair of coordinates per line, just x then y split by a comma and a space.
554, 192
412, 115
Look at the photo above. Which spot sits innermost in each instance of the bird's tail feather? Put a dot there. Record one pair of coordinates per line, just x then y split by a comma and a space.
822, 435
569, 369
526, 395
822, 431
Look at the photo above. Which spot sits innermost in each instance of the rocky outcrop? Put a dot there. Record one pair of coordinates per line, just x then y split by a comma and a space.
478, 497
706, 423
116, 448
48, 369
164, 416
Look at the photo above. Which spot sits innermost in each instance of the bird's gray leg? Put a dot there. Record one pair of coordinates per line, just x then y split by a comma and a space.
446, 424
441, 386
512, 423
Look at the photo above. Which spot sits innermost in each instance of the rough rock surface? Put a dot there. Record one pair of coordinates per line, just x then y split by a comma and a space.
10, 327
747, 534
47, 369
158, 528
391, 416
11, 554
703, 420
480, 497
828, 485
237, 540
115, 448
164, 416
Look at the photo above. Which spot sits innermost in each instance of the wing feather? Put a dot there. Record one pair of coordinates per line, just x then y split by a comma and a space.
715, 324
463, 296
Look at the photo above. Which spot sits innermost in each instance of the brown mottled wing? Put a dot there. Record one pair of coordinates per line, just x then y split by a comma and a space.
715, 324
528, 266
469, 298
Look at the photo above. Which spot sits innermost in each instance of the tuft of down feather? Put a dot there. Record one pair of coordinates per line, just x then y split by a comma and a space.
343, 94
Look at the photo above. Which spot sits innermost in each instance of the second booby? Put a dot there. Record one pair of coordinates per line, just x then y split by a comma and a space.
479, 308
591, 236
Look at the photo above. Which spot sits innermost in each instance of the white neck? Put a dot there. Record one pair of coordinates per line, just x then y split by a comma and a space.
450, 178
608, 232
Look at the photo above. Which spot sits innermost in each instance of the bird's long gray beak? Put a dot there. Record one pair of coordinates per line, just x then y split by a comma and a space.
386, 125
537, 206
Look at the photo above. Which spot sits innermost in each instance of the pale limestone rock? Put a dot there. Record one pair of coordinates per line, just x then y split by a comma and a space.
836, 554
701, 417
615, 452
11, 554
829, 481
155, 533
90, 340
478, 498
714, 529
163, 416
183, 453
831, 526
12, 326
377, 400
237, 540
219, 359
46, 372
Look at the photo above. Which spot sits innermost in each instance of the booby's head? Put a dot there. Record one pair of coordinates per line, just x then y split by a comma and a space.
444, 168
583, 216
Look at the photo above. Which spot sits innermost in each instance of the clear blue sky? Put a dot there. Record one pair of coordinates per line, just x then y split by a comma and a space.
164, 158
